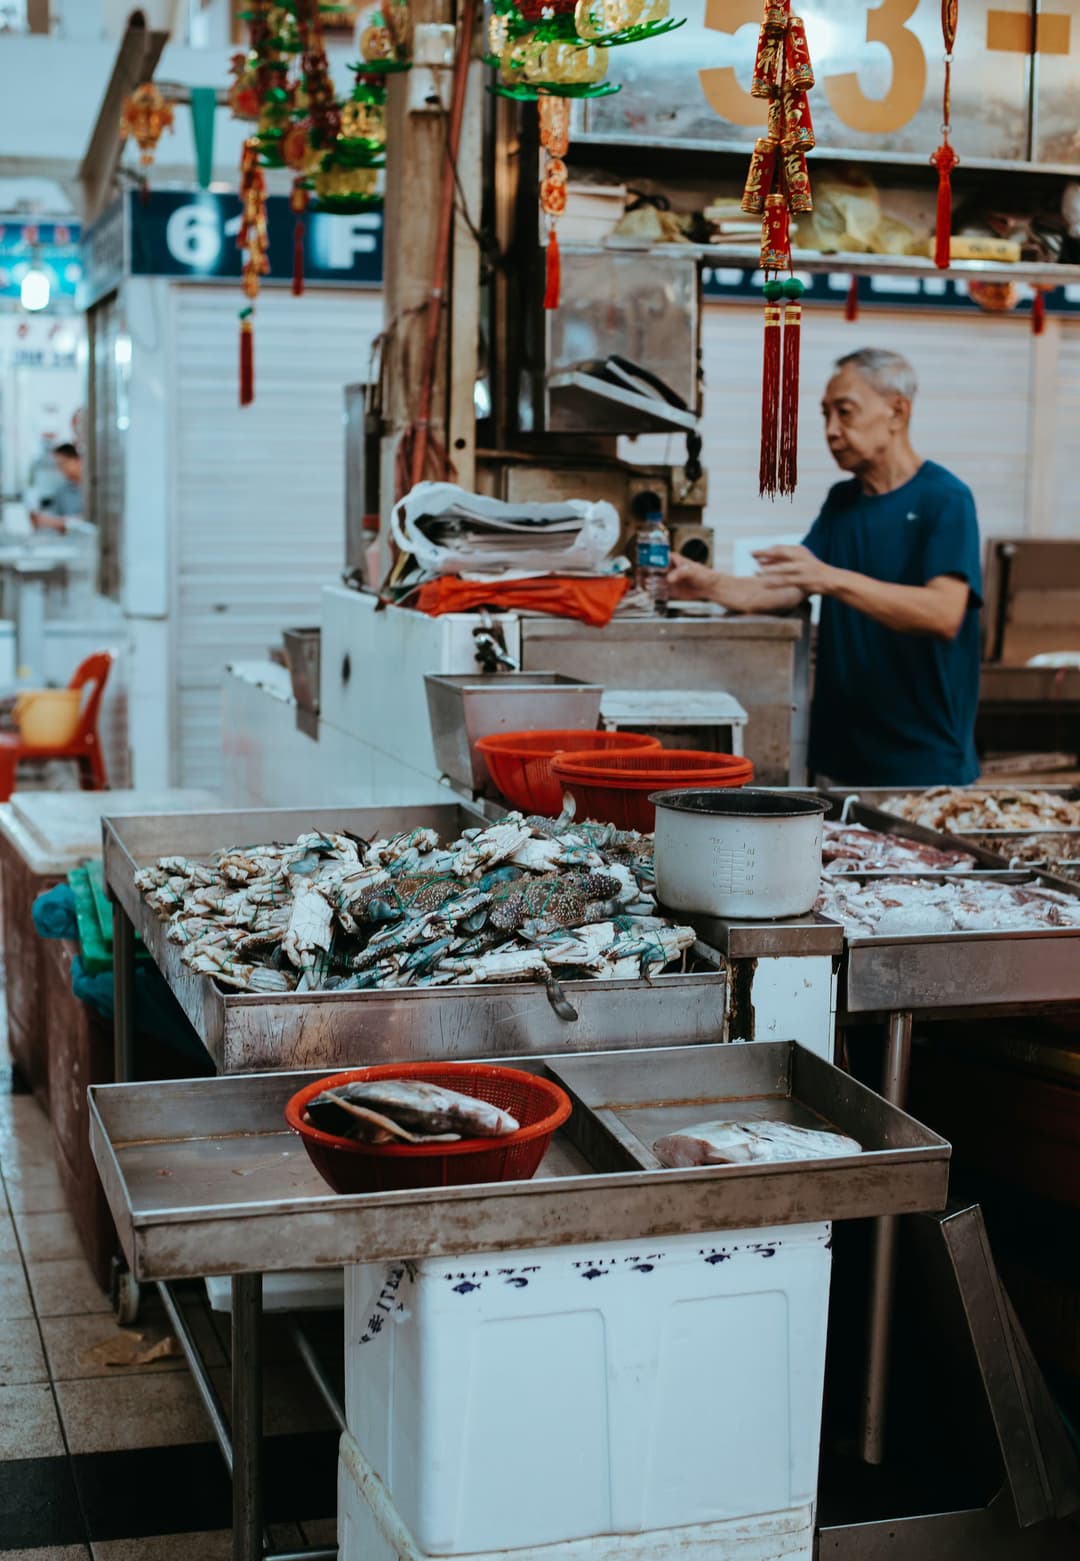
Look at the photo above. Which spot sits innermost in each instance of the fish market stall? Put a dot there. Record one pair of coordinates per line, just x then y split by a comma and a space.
205, 1173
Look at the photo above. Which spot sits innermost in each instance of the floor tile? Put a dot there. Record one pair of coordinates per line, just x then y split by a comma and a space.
9, 1246
49, 1553
21, 1357
101, 1415
38, 1191
71, 1343
48, 1238
39, 1508
66, 1289
167, 1547
28, 1424
14, 1291
153, 1490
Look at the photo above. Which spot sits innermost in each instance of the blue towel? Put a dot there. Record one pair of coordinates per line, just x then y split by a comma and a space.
157, 1012
54, 913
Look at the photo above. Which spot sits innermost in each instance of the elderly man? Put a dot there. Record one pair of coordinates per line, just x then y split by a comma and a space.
66, 500
894, 555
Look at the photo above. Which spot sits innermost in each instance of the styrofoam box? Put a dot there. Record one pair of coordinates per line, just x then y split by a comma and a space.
371, 1529
530, 1398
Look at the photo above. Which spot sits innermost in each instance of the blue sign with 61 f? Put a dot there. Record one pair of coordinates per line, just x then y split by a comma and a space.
193, 234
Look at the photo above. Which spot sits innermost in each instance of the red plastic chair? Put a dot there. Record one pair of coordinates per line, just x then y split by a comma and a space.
84, 748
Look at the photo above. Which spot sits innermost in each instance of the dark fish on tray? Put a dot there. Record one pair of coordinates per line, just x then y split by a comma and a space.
412, 1111
742, 1143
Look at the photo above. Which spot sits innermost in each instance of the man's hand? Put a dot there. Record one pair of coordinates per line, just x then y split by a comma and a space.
798, 567
689, 581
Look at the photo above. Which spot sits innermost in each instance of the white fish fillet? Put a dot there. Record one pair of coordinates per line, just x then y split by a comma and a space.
742, 1143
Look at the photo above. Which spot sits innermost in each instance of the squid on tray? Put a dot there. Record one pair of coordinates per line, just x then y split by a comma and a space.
526, 899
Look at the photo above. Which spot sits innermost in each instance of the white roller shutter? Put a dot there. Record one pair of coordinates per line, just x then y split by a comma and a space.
258, 494
971, 414
1059, 441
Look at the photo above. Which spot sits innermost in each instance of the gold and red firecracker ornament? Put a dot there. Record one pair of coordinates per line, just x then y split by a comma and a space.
945, 158
777, 189
144, 119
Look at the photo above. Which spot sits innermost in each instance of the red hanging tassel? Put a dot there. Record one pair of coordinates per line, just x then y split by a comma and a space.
944, 160
788, 466
247, 359
1038, 312
553, 289
298, 258
298, 200
770, 390
851, 302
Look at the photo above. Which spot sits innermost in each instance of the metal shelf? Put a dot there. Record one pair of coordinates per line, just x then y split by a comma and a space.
885, 265
595, 142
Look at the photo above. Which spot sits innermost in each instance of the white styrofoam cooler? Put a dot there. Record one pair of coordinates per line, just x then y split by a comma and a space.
533, 1398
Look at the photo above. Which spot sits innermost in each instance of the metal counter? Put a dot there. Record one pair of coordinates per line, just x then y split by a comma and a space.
245, 1031
204, 1175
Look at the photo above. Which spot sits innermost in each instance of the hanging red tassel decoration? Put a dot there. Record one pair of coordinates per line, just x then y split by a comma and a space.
1038, 312
788, 457
254, 242
298, 201
851, 302
247, 358
553, 287
554, 114
771, 389
945, 158
778, 186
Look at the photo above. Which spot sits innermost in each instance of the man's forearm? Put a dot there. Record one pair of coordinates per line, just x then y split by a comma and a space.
908, 609
749, 593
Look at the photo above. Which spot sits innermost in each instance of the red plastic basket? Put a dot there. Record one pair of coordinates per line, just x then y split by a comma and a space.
614, 787
520, 762
539, 1105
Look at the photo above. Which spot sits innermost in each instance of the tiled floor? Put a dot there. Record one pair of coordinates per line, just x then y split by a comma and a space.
106, 1461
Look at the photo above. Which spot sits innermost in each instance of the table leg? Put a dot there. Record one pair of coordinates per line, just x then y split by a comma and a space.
247, 1417
124, 995
883, 1262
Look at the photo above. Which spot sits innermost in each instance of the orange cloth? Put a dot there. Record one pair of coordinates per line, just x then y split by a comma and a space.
593, 601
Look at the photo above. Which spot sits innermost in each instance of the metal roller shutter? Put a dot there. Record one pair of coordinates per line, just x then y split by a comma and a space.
971, 414
258, 494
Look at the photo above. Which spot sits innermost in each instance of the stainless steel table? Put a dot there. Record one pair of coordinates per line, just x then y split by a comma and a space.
244, 1032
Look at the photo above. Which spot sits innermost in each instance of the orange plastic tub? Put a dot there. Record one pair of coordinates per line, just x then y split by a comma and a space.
614, 787
519, 763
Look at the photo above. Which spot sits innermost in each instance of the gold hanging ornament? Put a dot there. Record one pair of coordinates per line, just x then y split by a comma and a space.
777, 188
144, 118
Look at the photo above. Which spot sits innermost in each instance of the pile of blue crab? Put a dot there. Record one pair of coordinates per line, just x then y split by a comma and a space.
526, 899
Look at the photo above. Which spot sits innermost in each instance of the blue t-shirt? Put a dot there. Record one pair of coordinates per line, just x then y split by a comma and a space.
895, 709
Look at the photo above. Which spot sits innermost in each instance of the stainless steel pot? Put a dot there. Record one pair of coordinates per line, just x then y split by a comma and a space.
744, 854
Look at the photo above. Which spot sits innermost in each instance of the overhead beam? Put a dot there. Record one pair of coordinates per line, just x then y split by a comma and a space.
136, 60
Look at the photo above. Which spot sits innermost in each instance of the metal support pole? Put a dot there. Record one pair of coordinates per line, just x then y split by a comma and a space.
306, 1351
247, 1416
197, 1366
124, 994
883, 1265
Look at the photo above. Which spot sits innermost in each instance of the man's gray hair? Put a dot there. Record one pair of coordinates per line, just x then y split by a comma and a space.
888, 372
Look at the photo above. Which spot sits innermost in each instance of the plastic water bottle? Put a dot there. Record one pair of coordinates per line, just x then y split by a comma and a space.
653, 560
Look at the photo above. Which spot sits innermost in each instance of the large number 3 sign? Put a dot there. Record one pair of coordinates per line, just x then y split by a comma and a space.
886, 24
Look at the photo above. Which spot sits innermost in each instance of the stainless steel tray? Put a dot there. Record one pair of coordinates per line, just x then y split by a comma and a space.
202, 1176
244, 1032
977, 972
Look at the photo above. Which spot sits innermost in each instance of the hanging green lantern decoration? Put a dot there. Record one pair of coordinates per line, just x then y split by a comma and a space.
549, 51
